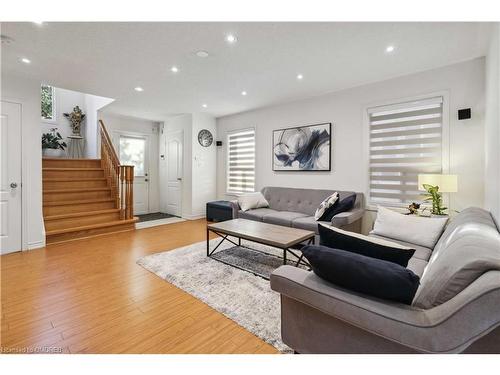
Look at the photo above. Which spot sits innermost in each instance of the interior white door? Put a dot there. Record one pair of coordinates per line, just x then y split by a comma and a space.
134, 151
173, 148
10, 181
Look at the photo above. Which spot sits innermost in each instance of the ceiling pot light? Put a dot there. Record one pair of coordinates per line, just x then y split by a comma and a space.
230, 38
174, 69
202, 54
39, 23
300, 76
389, 49
25, 60
244, 93
139, 89
204, 105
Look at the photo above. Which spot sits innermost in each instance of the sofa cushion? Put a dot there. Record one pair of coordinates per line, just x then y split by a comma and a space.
256, 214
365, 245
341, 205
469, 247
298, 200
422, 231
371, 276
250, 201
284, 218
307, 223
421, 252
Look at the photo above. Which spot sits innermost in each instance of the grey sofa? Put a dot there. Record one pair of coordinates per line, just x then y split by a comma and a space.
319, 317
296, 207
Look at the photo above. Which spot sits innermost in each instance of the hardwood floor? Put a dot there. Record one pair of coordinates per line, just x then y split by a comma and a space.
89, 296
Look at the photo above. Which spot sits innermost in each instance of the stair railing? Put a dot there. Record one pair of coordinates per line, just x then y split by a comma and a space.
120, 177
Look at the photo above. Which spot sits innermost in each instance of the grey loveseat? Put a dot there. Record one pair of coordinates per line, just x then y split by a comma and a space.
445, 317
296, 207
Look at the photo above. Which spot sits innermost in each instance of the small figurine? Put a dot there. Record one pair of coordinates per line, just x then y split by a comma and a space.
413, 208
76, 118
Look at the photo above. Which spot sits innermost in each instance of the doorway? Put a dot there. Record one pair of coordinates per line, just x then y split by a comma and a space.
10, 179
133, 150
173, 151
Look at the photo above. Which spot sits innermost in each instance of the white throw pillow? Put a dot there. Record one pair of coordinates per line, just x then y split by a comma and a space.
423, 231
250, 201
325, 205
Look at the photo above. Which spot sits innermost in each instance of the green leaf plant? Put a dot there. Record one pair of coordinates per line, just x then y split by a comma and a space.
435, 196
53, 140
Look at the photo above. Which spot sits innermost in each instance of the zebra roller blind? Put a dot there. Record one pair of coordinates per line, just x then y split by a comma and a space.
241, 161
405, 140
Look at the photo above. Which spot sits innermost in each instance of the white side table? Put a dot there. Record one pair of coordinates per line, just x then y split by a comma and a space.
76, 147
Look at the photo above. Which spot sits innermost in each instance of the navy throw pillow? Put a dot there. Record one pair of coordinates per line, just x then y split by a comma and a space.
364, 245
343, 205
370, 276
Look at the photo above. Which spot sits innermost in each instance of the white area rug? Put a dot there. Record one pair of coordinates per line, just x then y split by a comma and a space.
240, 295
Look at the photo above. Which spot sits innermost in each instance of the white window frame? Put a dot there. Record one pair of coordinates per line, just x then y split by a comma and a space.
54, 102
445, 145
233, 193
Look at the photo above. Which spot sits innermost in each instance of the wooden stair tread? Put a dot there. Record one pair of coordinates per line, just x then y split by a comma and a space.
76, 190
64, 179
80, 214
69, 160
91, 226
73, 202
70, 169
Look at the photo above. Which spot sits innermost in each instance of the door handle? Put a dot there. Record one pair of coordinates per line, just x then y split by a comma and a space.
179, 179
146, 180
13, 185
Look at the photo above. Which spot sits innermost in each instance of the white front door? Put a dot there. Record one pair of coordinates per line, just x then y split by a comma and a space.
10, 181
173, 150
133, 150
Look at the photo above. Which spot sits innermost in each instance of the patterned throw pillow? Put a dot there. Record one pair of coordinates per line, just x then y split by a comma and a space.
325, 205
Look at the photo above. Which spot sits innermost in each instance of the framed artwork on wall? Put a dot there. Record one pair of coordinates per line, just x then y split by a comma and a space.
303, 148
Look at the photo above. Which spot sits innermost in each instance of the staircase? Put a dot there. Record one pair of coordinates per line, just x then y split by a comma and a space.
87, 197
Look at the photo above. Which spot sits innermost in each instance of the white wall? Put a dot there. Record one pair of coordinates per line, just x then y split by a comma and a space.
464, 83
27, 92
204, 165
199, 163
116, 124
65, 101
492, 126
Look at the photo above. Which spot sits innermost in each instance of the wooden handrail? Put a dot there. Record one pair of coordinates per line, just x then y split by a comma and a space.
120, 177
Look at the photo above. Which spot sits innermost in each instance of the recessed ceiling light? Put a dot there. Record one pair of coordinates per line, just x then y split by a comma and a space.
300, 76
38, 22
174, 69
204, 105
230, 38
202, 54
25, 60
139, 89
389, 49
244, 93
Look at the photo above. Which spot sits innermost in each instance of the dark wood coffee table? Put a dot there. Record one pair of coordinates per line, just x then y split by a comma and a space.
284, 238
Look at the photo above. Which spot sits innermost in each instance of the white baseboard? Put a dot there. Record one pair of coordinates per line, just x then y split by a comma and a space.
35, 245
194, 217
154, 223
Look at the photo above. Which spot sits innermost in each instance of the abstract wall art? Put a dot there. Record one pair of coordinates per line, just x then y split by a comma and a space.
303, 148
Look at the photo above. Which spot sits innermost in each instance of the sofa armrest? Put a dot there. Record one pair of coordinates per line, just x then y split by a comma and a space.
347, 217
235, 207
450, 327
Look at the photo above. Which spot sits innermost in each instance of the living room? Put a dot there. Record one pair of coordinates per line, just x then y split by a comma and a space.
317, 187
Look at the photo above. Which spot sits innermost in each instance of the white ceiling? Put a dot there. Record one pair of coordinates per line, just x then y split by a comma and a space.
110, 59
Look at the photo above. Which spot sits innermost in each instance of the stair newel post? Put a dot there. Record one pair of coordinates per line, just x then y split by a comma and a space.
131, 184
122, 192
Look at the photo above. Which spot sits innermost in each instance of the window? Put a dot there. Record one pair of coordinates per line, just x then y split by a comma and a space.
133, 152
48, 103
405, 140
241, 161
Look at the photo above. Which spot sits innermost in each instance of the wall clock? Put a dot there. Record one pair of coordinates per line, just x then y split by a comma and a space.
205, 138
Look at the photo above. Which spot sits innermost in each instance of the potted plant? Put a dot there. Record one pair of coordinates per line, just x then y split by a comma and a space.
52, 144
433, 194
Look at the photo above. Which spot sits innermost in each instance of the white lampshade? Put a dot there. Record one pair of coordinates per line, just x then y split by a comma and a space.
448, 183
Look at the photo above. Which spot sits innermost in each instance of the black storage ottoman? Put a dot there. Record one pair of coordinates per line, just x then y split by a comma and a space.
219, 211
